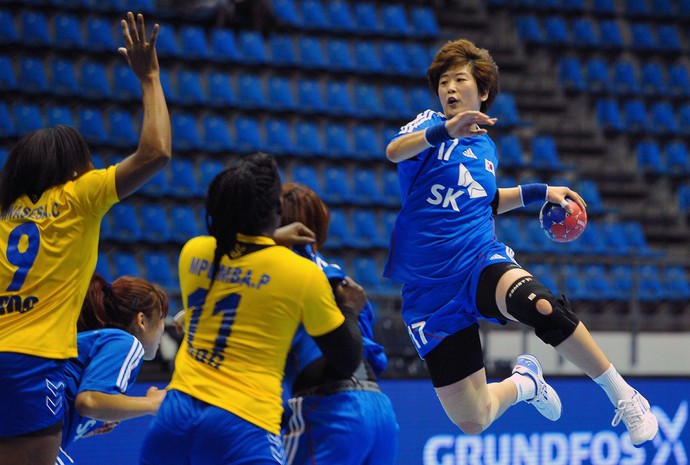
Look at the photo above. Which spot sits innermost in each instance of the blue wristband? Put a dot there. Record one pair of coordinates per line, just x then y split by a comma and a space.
533, 192
437, 134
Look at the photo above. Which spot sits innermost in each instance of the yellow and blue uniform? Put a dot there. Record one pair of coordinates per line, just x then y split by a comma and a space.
49, 253
238, 334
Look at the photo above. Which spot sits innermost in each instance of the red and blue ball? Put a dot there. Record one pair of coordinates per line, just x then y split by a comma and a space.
561, 226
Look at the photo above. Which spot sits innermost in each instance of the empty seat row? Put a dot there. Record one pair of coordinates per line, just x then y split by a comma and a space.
624, 77
673, 159
638, 36
634, 117
543, 154
393, 19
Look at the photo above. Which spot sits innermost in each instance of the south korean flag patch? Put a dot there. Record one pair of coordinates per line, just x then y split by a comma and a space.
489, 167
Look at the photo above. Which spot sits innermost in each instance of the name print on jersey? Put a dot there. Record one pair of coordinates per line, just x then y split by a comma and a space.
228, 274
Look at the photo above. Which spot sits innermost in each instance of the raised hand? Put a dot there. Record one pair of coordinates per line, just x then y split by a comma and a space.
140, 54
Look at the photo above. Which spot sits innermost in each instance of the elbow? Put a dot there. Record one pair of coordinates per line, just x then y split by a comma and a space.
86, 405
391, 153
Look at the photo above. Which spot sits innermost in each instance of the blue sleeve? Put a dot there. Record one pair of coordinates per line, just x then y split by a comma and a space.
115, 361
373, 352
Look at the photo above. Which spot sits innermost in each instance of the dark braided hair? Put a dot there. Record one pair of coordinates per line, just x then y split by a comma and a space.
244, 198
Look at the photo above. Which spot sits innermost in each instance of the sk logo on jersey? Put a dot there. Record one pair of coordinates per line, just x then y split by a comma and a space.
448, 198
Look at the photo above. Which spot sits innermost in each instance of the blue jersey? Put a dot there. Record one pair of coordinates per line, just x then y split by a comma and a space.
304, 350
108, 361
445, 221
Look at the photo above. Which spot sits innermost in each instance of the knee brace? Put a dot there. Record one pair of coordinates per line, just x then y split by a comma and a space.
521, 302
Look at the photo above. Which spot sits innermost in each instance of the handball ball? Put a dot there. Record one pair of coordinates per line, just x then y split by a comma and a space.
560, 226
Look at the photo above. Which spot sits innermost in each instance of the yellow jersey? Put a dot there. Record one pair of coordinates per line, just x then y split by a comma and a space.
239, 332
49, 253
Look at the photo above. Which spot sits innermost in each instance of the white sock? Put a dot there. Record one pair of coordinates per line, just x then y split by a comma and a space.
614, 385
526, 387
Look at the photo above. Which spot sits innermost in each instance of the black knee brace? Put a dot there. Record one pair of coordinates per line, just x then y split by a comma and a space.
521, 302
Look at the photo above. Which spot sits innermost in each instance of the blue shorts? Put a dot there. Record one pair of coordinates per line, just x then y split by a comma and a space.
434, 312
31, 393
347, 428
187, 431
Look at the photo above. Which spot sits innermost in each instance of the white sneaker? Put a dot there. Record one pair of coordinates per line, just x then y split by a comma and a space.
546, 401
638, 418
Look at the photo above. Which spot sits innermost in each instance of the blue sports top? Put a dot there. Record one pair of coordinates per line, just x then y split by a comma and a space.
445, 219
109, 361
304, 350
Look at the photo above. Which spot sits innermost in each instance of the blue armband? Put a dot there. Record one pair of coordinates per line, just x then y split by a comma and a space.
533, 192
437, 134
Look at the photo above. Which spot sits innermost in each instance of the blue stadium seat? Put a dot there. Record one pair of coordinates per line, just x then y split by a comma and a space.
32, 75
216, 133
339, 231
168, 88
584, 33
510, 151
573, 283
277, 137
67, 31
366, 184
311, 52
122, 128
340, 16
509, 229
183, 179
34, 29
282, 50
390, 190
221, 92
614, 235
684, 198
635, 116
124, 223
253, 47
125, 84
185, 132
610, 34
158, 185
208, 169
669, 39
418, 59
8, 29
247, 134
160, 269
643, 37
100, 34
368, 143
6, 126
395, 59
388, 219
636, 8
604, 8
679, 80
649, 158
684, 118
625, 81
184, 223
58, 114
307, 175
590, 192
396, 103
92, 125
505, 109
103, 267
609, 115
308, 139
367, 101
367, 57
337, 139
365, 226
337, 188
592, 239
93, 80
677, 286
677, 158
556, 30
250, 91
63, 77
310, 96
27, 117
125, 264
545, 154
280, 93
285, 12
367, 17
424, 22
421, 99
367, 273
653, 82
597, 283
340, 56
636, 238
394, 20
314, 15
546, 274
8, 81
193, 42
167, 44
190, 91
570, 74
529, 29
621, 276
154, 220
338, 99
651, 287
664, 118
597, 75
224, 46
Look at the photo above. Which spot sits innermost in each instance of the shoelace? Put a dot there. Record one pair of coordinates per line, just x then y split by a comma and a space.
626, 408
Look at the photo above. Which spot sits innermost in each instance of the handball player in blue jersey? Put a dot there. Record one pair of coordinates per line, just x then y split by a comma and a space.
333, 420
455, 270
120, 326
52, 202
